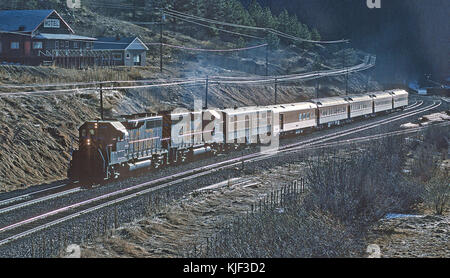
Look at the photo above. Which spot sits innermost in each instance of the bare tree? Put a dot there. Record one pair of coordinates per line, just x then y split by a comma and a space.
438, 191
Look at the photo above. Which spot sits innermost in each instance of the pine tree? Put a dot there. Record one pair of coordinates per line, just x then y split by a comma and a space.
315, 35
215, 9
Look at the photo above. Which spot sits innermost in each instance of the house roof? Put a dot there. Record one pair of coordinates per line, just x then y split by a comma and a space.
113, 43
63, 37
25, 21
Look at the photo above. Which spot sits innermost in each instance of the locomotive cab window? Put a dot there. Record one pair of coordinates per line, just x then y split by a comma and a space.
153, 124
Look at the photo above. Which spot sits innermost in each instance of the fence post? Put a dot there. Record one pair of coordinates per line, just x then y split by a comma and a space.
105, 224
281, 197
32, 248
271, 200
59, 243
115, 216
43, 246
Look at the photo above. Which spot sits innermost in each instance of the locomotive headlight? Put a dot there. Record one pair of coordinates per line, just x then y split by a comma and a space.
88, 142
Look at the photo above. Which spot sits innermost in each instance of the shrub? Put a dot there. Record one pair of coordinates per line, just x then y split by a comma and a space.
361, 188
438, 191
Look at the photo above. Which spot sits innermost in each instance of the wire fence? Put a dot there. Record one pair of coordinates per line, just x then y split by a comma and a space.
276, 201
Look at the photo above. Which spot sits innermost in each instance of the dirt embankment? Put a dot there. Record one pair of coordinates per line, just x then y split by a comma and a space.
36, 137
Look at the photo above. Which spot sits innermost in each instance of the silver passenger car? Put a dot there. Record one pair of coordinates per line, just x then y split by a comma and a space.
382, 101
294, 117
246, 124
400, 98
360, 105
332, 110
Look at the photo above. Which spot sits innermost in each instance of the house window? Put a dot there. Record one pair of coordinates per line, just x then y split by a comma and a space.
56, 44
128, 56
67, 44
15, 45
37, 45
117, 56
137, 60
75, 45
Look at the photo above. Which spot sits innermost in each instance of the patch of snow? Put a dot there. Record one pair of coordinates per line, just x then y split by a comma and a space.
399, 215
409, 125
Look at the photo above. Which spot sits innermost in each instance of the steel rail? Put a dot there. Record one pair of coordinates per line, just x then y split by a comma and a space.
39, 200
28, 195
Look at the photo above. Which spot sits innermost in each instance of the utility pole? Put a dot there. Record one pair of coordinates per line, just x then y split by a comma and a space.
206, 92
317, 67
317, 87
276, 90
344, 65
101, 101
267, 60
161, 42
367, 84
346, 83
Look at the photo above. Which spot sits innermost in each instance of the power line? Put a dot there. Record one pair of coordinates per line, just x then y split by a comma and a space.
215, 50
169, 11
215, 28
270, 30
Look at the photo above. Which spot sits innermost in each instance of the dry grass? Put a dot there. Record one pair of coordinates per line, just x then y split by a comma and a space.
21, 75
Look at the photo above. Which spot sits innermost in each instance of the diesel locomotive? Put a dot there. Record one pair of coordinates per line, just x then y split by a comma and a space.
109, 149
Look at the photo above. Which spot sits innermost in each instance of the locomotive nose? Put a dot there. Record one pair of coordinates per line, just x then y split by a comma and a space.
85, 165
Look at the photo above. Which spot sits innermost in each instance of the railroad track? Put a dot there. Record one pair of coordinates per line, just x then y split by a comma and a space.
29, 195
37, 223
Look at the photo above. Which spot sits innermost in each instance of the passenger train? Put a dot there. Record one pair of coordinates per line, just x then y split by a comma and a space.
109, 149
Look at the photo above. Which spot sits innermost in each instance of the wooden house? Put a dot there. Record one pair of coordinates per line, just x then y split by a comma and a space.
130, 51
34, 37
37, 37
